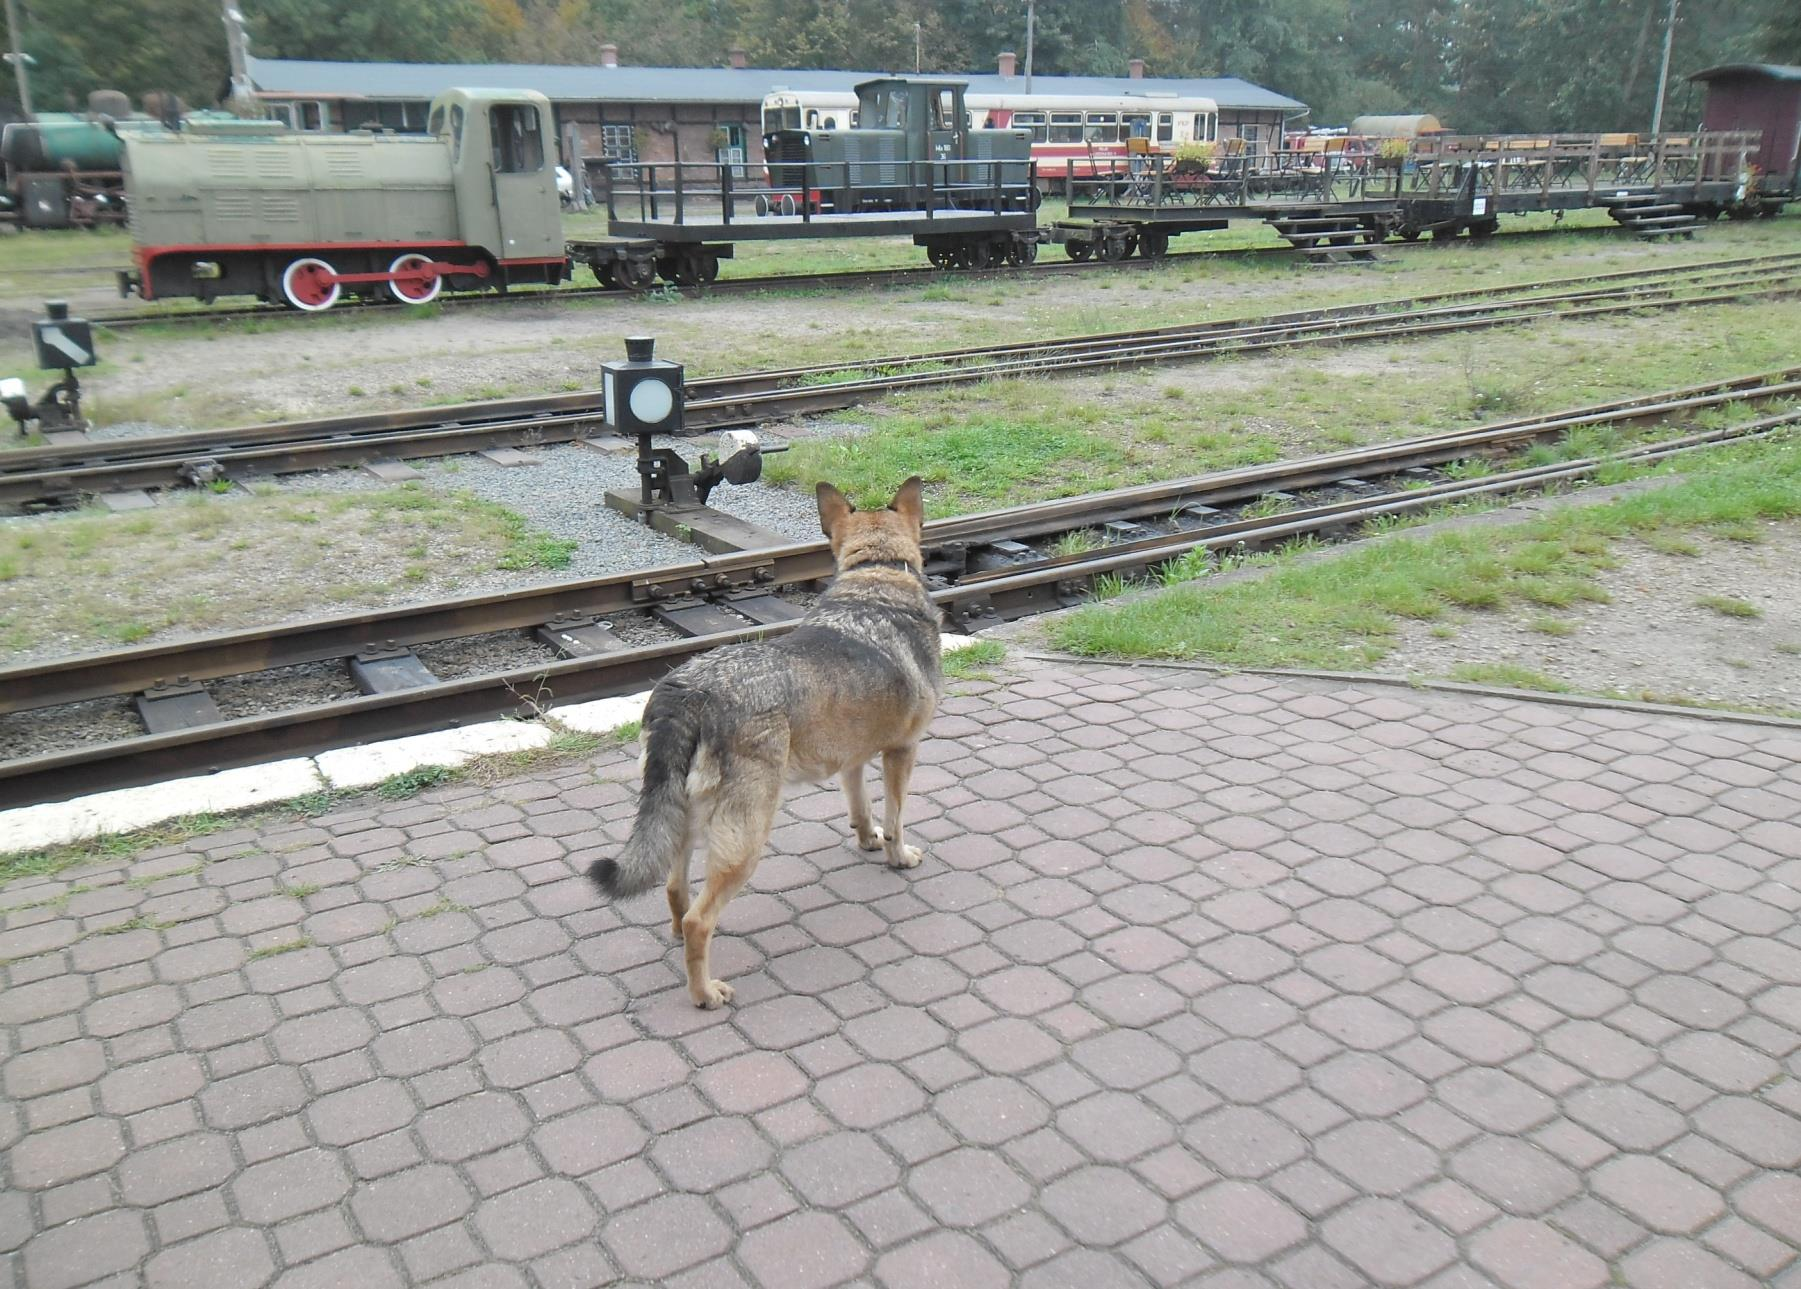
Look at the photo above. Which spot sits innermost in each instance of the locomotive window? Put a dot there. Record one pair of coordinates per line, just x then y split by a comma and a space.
1103, 127
812, 118
518, 145
456, 133
437, 122
890, 109
1166, 127
831, 123
1033, 121
944, 111
1066, 127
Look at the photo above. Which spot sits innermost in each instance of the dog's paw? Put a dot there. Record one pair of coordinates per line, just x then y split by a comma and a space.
873, 839
905, 857
715, 993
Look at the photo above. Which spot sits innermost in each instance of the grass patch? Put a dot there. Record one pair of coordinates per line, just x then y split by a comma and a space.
300, 890
285, 946
1343, 612
139, 883
1507, 675
628, 732
410, 783
1729, 607
972, 661
442, 907
70, 586
1552, 626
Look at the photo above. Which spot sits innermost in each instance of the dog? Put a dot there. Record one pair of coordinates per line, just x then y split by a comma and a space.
859, 676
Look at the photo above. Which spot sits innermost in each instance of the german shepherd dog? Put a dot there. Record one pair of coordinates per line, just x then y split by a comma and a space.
859, 676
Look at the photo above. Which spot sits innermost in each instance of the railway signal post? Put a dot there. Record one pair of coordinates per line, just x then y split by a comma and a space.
643, 397
63, 344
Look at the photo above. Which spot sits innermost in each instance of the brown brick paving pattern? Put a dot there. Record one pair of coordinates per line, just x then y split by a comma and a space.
1222, 982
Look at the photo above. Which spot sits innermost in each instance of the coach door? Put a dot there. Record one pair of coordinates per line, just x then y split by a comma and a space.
525, 191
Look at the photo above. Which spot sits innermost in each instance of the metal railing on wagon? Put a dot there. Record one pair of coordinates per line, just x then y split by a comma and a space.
727, 193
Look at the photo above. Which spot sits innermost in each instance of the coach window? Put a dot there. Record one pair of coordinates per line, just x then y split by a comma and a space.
518, 146
1136, 126
1166, 127
1103, 127
1066, 127
1033, 121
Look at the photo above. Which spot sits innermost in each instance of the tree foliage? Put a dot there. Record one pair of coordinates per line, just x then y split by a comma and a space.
1477, 64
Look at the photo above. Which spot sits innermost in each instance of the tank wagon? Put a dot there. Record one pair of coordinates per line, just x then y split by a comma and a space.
300, 218
63, 170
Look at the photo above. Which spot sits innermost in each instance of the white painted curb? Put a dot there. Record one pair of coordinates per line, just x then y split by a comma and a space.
61, 823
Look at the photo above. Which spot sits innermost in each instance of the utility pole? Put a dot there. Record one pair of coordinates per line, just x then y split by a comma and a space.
19, 59
918, 47
1663, 75
1031, 33
238, 50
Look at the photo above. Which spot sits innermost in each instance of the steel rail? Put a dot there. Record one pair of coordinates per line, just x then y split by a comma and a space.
161, 460
529, 691
855, 279
78, 678
578, 402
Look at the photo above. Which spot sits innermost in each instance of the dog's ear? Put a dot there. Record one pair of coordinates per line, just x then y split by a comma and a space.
833, 507
909, 502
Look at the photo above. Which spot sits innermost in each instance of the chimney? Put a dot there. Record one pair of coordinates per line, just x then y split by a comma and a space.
1137, 69
609, 55
1008, 61
737, 55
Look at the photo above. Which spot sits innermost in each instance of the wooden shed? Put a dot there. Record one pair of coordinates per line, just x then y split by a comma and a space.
1758, 96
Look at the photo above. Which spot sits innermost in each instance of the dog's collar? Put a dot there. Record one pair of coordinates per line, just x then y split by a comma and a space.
884, 563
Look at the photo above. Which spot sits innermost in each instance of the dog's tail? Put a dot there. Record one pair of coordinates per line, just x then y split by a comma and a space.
661, 829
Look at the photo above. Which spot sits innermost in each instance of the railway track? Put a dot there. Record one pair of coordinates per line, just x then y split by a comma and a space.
856, 279
57, 477
216, 702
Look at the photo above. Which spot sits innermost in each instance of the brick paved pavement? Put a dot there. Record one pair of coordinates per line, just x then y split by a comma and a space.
1242, 982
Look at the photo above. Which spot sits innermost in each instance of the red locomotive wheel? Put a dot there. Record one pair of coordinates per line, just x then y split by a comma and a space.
310, 285
414, 280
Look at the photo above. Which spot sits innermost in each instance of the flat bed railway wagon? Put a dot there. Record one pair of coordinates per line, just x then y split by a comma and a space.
1444, 185
300, 218
912, 166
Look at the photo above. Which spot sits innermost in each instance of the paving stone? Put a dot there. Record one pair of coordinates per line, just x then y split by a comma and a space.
1206, 980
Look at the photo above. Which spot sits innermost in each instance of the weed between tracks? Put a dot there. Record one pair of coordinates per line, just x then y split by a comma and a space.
1344, 612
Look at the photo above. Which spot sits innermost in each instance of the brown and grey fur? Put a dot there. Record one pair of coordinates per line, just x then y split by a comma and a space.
859, 677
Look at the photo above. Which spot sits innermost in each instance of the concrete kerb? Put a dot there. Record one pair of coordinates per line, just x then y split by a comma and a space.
255, 787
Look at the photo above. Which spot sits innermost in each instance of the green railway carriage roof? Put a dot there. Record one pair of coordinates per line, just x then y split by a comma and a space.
376, 82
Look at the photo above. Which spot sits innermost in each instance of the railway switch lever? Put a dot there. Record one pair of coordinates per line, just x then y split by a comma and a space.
644, 397
63, 344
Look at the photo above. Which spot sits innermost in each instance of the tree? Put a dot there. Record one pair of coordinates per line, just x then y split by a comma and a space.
173, 45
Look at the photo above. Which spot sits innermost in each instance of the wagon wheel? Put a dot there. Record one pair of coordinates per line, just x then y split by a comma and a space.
1153, 245
603, 273
1020, 253
1409, 232
706, 264
942, 257
978, 256
683, 270
414, 282
309, 285
635, 275
1078, 251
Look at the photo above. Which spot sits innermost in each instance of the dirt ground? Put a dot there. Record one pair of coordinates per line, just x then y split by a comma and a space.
1654, 640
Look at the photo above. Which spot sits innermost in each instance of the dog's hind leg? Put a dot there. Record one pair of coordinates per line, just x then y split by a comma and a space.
742, 817
869, 837
897, 770
677, 888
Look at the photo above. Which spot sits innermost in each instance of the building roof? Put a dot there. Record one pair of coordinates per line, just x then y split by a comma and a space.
1769, 71
297, 78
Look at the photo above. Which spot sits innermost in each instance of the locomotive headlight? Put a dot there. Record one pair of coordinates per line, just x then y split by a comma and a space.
643, 394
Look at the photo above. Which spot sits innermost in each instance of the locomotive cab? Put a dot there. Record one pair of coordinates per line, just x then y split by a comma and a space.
502, 170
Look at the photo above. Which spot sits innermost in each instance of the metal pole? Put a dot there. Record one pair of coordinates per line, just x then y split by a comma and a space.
1031, 35
1663, 75
918, 47
17, 59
